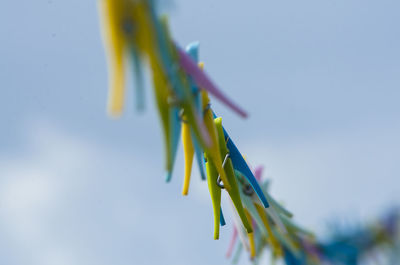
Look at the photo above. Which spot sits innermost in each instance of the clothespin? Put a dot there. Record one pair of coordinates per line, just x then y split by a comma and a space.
293, 226
239, 227
115, 44
215, 192
248, 203
188, 151
240, 164
250, 235
238, 252
290, 258
270, 210
213, 151
162, 94
193, 50
260, 245
273, 202
231, 179
190, 143
175, 98
271, 237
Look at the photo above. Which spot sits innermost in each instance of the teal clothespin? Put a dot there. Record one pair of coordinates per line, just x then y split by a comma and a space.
248, 204
138, 77
274, 203
221, 218
193, 50
174, 138
240, 164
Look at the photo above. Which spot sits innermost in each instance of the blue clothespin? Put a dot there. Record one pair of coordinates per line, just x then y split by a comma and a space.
222, 219
174, 137
240, 164
290, 258
341, 251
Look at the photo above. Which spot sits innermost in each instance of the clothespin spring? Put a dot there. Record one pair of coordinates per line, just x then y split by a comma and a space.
219, 181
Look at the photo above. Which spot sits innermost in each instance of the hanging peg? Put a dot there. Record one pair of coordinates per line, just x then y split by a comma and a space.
215, 192
213, 151
240, 164
228, 168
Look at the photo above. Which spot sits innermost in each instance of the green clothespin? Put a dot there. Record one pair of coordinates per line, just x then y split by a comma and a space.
215, 192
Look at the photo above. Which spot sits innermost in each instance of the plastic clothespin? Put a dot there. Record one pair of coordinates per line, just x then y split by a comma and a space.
252, 244
215, 192
239, 227
230, 174
174, 99
162, 95
238, 252
188, 151
278, 207
260, 241
193, 50
293, 226
249, 206
115, 44
190, 144
213, 152
175, 131
240, 164
277, 219
270, 210
287, 241
258, 173
271, 237
289, 258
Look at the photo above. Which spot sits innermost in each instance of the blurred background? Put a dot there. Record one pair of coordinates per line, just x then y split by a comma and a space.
320, 80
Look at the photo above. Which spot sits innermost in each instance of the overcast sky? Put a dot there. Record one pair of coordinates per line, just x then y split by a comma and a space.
320, 80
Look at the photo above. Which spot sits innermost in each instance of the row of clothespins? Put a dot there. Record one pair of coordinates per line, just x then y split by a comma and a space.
377, 242
134, 33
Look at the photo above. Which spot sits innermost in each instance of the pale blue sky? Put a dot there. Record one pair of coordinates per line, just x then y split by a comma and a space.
320, 80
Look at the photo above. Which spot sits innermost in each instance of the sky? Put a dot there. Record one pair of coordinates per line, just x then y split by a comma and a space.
320, 80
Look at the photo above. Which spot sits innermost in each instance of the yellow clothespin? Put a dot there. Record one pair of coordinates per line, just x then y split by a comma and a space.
215, 192
251, 237
228, 168
188, 151
111, 13
213, 150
